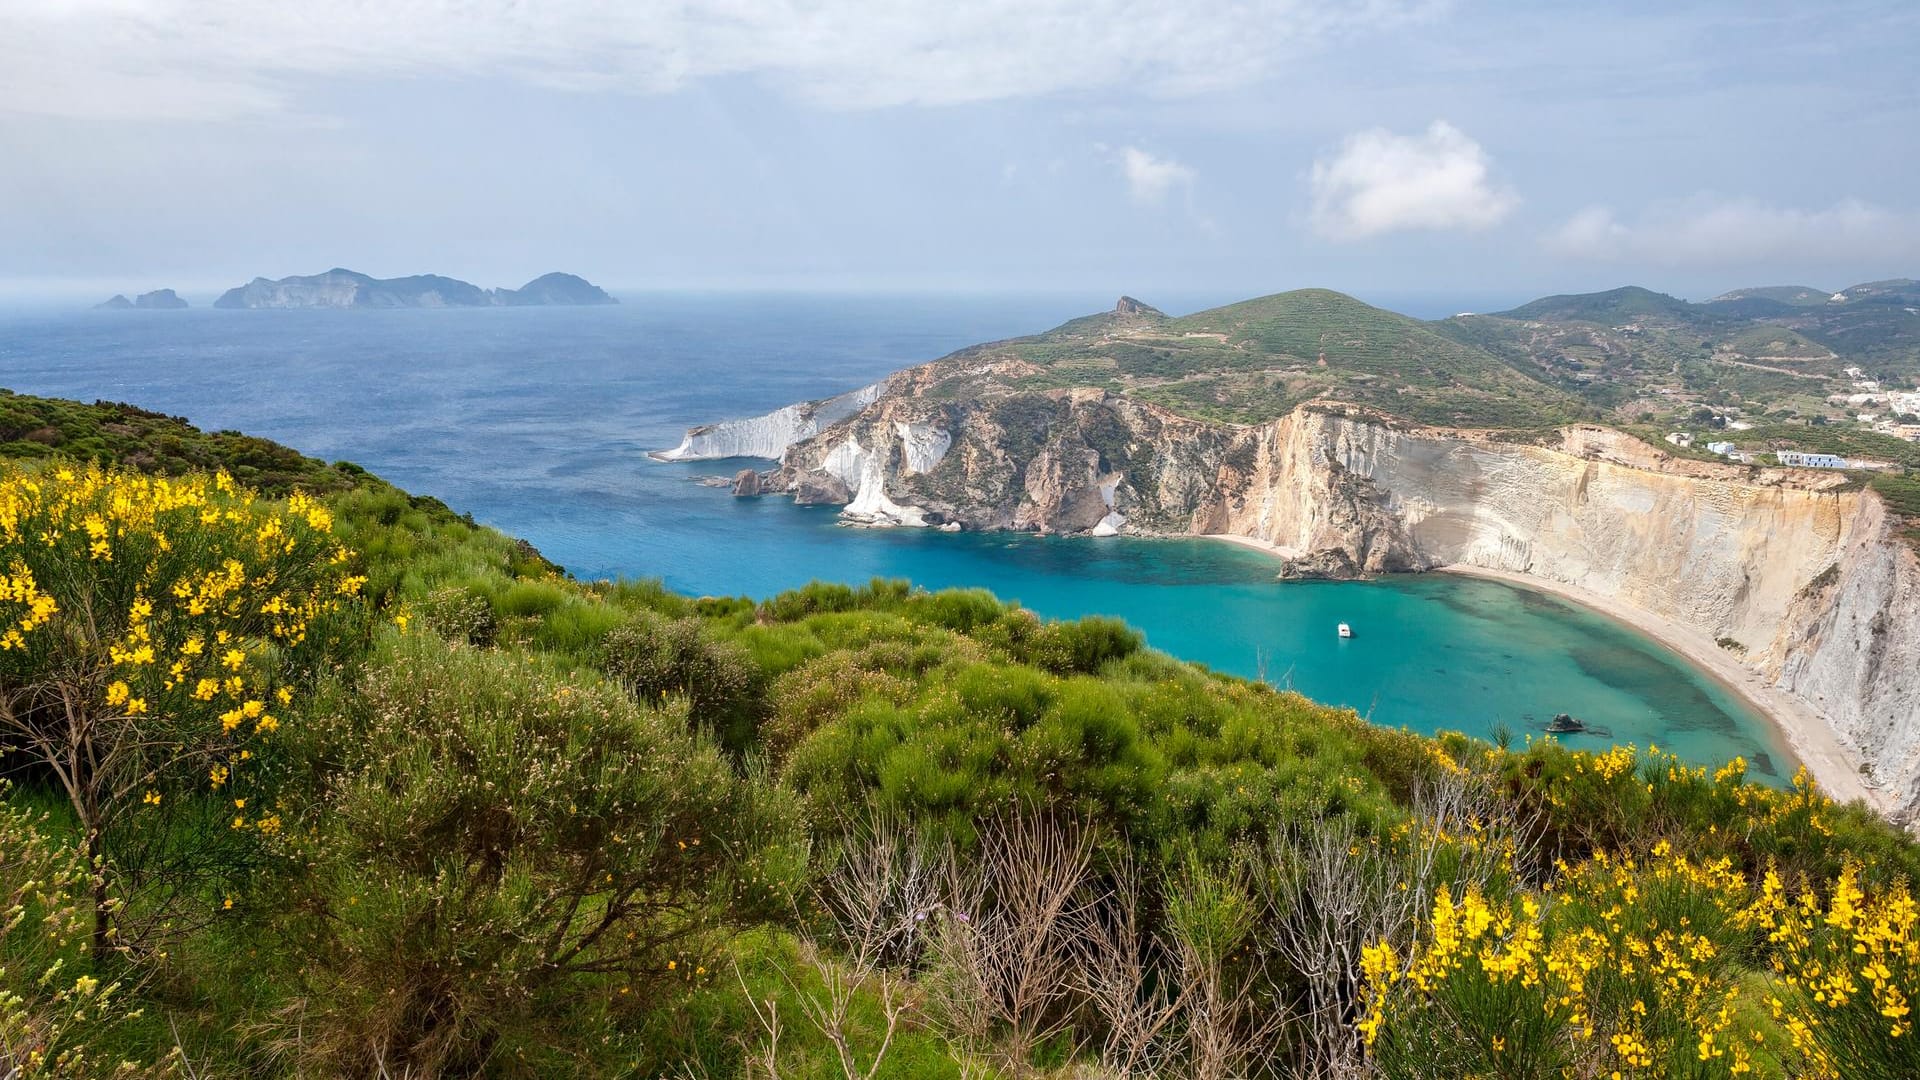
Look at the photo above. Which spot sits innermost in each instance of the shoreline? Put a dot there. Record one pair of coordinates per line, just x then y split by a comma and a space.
1803, 731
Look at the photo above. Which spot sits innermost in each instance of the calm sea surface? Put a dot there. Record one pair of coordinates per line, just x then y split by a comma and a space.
537, 421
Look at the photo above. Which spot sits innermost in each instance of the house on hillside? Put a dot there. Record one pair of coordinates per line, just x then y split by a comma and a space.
1801, 460
1721, 448
1680, 438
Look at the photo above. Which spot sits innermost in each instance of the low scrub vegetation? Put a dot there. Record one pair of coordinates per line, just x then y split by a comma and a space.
507, 824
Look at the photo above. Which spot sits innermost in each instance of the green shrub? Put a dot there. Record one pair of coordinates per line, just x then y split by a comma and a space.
459, 616
656, 659
524, 599
502, 840
813, 599
823, 689
1082, 646
961, 610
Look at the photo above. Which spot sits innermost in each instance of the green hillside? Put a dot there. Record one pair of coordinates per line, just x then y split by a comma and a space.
1790, 361
1254, 361
1766, 342
508, 825
1616, 305
112, 433
1791, 295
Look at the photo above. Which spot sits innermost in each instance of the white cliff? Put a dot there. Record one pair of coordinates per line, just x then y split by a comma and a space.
922, 445
1802, 578
770, 435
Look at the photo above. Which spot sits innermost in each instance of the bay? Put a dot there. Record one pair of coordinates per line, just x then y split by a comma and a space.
537, 421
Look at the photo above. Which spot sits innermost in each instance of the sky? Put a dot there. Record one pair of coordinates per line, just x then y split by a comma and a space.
1175, 147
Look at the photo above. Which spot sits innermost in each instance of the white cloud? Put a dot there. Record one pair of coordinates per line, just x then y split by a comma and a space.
225, 58
1150, 179
1381, 182
1711, 231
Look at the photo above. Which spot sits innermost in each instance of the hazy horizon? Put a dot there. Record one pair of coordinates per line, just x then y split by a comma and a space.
1070, 302
1383, 148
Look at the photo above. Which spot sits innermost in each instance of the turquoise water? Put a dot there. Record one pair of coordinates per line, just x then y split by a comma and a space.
537, 421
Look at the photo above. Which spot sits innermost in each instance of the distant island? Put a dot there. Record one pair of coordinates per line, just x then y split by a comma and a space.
340, 288
158, 300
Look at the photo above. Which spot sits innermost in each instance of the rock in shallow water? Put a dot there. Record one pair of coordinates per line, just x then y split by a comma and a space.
820, 489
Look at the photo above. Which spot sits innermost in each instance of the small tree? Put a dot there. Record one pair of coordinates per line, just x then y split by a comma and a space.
503, 839
149, 631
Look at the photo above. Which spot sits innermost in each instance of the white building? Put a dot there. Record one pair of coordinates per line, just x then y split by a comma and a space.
1811, 461
1721, 448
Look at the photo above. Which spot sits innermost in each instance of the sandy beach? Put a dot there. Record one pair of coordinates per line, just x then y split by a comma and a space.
1806, 734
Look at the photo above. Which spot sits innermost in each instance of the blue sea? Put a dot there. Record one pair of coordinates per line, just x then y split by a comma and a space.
537, 420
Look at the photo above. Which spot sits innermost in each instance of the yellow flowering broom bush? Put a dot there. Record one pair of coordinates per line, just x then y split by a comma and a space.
1667, 966
152, 630
1625, 968
1846, 972
1626, 798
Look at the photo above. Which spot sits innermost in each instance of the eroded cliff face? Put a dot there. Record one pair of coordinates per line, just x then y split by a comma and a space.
767, 436
1850, 645
1804, 578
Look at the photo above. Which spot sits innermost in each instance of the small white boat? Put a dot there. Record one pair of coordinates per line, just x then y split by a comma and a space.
1345, 630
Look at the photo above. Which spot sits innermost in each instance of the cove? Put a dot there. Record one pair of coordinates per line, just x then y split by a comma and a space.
537, 420
1431, 652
